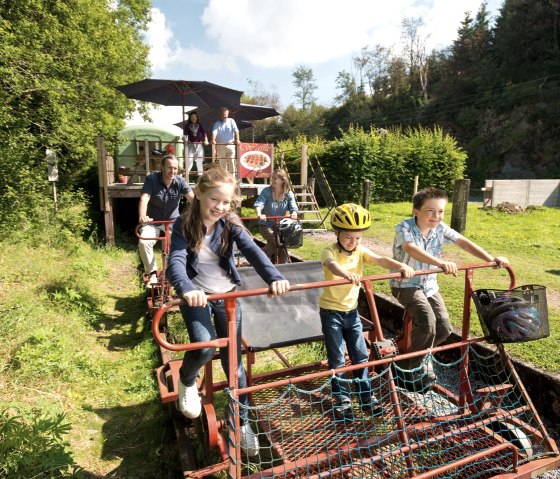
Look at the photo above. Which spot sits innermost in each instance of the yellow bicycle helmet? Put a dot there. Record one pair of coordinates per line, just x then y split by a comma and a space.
350, 216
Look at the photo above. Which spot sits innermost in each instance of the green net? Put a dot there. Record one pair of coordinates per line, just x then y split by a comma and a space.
462, 417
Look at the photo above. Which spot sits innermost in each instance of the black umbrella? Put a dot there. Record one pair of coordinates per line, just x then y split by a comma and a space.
182, 93
243, 114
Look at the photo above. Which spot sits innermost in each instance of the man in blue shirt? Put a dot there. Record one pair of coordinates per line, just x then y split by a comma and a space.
225, 135
159, 201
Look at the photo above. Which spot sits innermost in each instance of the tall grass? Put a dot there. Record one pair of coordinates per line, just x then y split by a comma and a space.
77, 356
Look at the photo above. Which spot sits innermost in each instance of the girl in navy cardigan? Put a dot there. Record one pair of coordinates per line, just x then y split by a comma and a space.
201, 262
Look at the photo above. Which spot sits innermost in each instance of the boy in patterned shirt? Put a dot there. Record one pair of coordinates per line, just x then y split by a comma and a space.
418, 243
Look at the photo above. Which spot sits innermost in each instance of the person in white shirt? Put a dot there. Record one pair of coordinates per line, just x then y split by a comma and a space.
225, 137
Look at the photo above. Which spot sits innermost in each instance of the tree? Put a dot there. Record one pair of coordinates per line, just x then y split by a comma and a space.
302, 122
346, 83
259, 95
305, 87
377, 71
415, 52
60, 62
261, 130
528, 39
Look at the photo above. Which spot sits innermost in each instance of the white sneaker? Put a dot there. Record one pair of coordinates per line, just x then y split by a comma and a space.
428, 369
249, 441
188, 401
152, 281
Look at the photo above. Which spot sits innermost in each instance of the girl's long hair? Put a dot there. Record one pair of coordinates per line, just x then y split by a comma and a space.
280, 173
193, 227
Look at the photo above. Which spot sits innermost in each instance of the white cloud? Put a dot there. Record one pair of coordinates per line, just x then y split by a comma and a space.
161, 116
278, 34
160, 39
269, 33
227, 41
166, 51
444, 20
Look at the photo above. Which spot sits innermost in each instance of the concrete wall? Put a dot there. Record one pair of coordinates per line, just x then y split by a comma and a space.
522, 192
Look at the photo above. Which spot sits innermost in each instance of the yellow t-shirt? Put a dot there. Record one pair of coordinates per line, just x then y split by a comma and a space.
342, 297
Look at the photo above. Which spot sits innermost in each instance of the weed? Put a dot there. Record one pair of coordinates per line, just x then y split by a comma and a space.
32, 445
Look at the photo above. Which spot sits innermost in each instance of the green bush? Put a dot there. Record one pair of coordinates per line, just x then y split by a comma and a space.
41, 224
391, 160
32, 445
291, 150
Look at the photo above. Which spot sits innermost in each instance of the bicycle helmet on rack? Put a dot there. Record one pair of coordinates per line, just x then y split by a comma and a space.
519, 324
350, 216
291, 233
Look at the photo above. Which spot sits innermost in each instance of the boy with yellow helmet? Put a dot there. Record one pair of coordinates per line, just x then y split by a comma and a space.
338, 304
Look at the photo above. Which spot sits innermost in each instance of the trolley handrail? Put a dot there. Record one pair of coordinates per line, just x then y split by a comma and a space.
296, 287
155, 222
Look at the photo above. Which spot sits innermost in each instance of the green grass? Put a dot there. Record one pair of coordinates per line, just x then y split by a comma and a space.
75, 341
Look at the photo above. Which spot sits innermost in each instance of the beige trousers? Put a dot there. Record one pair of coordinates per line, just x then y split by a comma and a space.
226, 156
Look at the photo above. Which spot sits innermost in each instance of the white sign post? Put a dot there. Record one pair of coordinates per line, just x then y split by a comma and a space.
52, 172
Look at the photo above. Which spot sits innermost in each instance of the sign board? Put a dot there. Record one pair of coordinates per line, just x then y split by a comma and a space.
52, 165
256, 160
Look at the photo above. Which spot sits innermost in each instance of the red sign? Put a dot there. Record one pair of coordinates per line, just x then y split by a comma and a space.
255, 160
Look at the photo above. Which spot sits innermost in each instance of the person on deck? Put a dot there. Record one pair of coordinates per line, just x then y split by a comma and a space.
196, 137
225, 136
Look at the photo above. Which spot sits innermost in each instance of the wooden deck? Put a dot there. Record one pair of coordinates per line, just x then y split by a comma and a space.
112, 192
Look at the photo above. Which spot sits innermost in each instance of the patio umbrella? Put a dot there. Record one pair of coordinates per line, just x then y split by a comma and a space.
182, 93
243, 114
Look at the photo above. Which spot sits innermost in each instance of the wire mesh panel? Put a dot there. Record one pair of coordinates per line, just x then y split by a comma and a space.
514, 315
475, 421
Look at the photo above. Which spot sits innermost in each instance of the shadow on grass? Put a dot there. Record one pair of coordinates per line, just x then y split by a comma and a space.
142, 438
555, 272
127, 327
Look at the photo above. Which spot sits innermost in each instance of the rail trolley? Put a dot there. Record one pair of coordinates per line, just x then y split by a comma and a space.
475, 421
160, 292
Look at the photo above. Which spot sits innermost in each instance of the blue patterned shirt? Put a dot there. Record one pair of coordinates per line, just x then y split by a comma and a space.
407, 232
269, 207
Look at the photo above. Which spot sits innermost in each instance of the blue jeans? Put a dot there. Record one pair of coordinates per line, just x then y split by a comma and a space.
198, 321
340, 327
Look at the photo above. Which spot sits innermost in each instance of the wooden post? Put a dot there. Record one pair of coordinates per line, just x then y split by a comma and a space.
147, 155
415, 185
104, 200
304, 160
460, 202
366, 193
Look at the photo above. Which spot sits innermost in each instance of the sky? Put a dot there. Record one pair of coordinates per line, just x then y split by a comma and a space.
229, 42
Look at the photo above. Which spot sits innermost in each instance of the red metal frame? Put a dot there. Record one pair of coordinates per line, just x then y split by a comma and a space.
264, 381
161, 291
